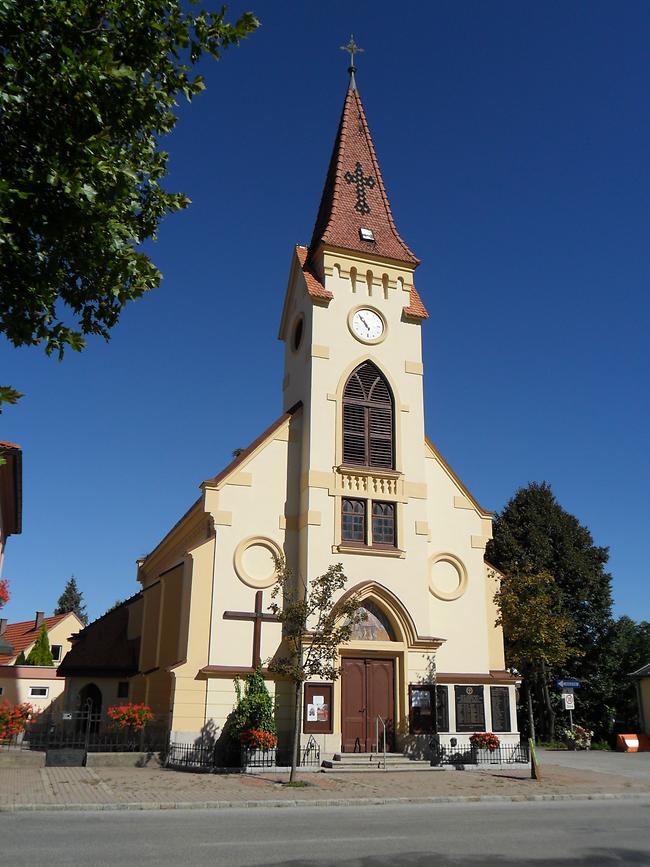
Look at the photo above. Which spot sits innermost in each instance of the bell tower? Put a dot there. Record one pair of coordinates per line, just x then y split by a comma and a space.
352, 310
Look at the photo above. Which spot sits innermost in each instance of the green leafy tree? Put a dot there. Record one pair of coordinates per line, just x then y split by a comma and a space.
538, 635
314, 626
627, 649
20, 659
534, 534
87, 91
40, 654
72, 600
254, 708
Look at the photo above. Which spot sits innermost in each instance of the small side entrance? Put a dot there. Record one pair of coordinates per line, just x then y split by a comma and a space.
367, 690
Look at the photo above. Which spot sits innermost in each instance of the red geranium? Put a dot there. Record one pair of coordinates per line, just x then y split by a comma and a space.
14, 718
4, 592
133, 716
258, 739
485, 741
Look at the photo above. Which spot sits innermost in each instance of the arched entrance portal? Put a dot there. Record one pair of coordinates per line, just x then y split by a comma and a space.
90, 708
368, 687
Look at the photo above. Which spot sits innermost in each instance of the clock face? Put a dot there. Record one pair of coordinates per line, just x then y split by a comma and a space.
367, 325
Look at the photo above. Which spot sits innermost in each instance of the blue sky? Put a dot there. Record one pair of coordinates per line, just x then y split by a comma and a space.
514, 140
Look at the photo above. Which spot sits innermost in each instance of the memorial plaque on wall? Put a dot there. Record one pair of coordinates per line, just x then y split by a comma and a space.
500, 700
470, 710
317, 709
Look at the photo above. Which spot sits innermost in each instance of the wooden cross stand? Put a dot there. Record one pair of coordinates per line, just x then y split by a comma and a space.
258, 617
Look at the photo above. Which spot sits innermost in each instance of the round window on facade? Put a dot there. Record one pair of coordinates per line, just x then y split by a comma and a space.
298, 331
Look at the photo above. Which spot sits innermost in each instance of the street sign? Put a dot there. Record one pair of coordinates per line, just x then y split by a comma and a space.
569, 701
570, 683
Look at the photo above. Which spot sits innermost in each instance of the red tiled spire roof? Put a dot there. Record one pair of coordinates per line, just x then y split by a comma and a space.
354, 196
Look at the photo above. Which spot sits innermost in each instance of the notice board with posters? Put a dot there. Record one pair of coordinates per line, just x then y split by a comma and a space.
317, 709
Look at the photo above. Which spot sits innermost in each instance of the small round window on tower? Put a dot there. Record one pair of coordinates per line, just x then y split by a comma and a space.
298, 330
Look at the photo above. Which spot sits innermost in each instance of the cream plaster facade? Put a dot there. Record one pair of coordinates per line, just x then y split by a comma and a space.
284, 495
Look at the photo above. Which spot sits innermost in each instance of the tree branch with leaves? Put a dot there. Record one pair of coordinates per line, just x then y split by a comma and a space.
87, 91
316, 620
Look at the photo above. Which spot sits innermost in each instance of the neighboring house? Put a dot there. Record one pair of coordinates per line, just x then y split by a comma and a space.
36, 684
102, 659
642, 678
345, 474
11, 497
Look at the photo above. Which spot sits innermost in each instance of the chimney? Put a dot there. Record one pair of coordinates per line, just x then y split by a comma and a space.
38, 620
3, 625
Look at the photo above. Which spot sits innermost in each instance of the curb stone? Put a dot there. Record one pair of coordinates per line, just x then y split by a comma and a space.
330, 802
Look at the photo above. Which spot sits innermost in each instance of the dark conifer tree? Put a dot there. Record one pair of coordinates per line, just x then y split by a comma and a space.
72, 600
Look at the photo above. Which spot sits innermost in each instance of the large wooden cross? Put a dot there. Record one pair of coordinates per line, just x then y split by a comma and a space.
258, 617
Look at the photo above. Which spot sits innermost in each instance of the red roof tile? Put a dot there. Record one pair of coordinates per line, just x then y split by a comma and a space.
22, 635
314, 286
416, 308
354, 195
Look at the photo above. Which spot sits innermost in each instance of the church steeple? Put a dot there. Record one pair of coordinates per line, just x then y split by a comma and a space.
354, 211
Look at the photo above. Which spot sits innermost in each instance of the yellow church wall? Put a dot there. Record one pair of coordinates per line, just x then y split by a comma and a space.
189, 689
259, 518
151, 628
496, 653
456, 575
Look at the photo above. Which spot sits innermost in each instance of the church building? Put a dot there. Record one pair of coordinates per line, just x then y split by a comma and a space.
347, 475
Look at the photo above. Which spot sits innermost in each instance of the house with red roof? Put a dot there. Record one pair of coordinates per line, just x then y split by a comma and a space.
36, 684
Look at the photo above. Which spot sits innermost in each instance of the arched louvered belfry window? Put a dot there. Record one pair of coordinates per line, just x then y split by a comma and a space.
368, 438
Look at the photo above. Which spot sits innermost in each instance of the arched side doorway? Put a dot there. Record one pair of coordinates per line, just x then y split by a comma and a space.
90, 708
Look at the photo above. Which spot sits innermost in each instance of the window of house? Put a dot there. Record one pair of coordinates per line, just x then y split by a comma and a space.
123, 689
383, 524
56, 652
353, 521
2, 690
368, 439
39, 691
354, 527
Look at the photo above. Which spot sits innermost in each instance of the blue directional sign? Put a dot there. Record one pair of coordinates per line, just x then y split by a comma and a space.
568, 684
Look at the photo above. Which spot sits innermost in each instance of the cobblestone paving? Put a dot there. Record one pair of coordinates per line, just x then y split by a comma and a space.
121, 786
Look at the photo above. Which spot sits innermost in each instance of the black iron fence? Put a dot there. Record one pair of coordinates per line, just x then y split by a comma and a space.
89, 731
202, 757
467, 754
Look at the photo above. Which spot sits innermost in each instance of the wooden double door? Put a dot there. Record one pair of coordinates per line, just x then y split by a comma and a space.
367, 691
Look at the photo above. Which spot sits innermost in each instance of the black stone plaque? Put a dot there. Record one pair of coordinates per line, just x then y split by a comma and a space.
470, 709
500, 700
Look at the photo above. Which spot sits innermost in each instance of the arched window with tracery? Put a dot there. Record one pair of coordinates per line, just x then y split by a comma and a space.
368, 435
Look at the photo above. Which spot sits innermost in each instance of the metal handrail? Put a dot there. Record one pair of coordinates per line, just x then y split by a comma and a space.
378, 719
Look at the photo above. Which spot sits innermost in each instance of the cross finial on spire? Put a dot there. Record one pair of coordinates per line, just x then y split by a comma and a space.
352, 48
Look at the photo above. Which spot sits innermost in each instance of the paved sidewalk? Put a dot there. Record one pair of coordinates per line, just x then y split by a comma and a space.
139, 788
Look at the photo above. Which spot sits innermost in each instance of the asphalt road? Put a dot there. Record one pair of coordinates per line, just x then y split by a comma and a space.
622, 764
576, 833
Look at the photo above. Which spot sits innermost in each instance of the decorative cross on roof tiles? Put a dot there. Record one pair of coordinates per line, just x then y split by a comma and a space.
361, 181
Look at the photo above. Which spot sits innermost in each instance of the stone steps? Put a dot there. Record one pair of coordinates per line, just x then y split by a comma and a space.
360, 763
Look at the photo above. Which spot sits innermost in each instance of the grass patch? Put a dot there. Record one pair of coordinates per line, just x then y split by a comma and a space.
297, 784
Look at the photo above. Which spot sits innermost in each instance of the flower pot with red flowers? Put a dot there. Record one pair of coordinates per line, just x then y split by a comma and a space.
258, 747
485, 745
130, 719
